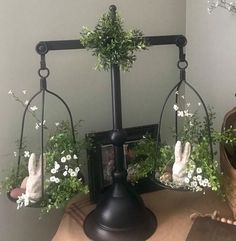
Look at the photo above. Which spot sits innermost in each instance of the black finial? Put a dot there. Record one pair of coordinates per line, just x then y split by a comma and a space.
113, 8
41, 48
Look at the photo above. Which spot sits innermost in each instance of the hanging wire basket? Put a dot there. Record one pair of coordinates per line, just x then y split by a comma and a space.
35, 181
166, 180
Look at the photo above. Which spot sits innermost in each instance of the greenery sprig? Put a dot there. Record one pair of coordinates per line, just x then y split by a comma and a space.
111, 44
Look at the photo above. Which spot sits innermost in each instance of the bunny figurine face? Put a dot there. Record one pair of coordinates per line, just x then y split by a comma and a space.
179, 170
34, 181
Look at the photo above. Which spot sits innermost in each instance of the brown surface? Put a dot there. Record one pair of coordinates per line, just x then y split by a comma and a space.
172, 209
206, 229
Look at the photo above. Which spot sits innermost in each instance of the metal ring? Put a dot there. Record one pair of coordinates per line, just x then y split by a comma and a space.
182, 64
44, 72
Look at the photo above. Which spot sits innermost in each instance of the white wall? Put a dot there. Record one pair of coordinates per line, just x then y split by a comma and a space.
23, 24
211, 53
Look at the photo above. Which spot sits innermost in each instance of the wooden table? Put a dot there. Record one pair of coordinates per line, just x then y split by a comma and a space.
172, 209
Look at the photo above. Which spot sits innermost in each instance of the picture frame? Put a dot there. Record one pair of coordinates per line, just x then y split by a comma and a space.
101, 159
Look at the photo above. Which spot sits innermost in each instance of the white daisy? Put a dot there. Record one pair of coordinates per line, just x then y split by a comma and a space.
68, 157
63, 159
75, 157
34, 108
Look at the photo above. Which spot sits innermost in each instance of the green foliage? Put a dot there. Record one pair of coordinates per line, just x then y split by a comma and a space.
111, 44
63, 178
203, 171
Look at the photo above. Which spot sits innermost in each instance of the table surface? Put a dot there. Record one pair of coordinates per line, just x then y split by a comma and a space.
172, 209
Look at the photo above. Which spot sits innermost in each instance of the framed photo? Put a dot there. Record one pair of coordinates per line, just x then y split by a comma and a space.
100, 155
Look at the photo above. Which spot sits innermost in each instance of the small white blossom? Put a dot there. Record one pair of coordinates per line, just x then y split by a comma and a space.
52, 179
36, 126
175, 107
199, 178
198, 189
193, 183
73, 174
199, 170
182, 96
53, 171
188, 104
66, 167
10, 92
24, 92
26, 154
189, 175
177, 92
70, 170
75, 157
15, 153
34, 108
186, 180
194, 178
65, 173
180, 113
51, 138
26, 102
77, 169
63, 159
68, 157
57, 180
57, 123
56, 165
199, 103
22, 200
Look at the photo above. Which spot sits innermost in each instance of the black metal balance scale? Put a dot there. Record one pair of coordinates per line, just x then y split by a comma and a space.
121, 215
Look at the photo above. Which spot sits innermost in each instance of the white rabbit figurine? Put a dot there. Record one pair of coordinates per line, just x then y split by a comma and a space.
179, 169
34, 181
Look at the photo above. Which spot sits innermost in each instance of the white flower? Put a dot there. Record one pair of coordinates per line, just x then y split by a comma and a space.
53, 171
26, 102
10, 92
195, 178
63, 159
34, 108
73, 174
180, 113
65, 173
70, 170
186, 180
66, 167
175, 107
68, 157
199, 170
77, 169
177, 92
57, 180
193, 183
198, 189
51, 138
189, 175
199, 103
56, 165
24, 92
26, 154
52, 179
22, 200
182, 96
199, 178
57, 123
15, 153
75, 157
188, 104
36, 126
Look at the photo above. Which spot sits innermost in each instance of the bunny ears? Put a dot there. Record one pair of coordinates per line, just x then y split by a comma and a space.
179, 156
179, 169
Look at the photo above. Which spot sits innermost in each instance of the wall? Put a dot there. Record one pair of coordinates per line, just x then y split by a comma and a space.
23, 24
211, 53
